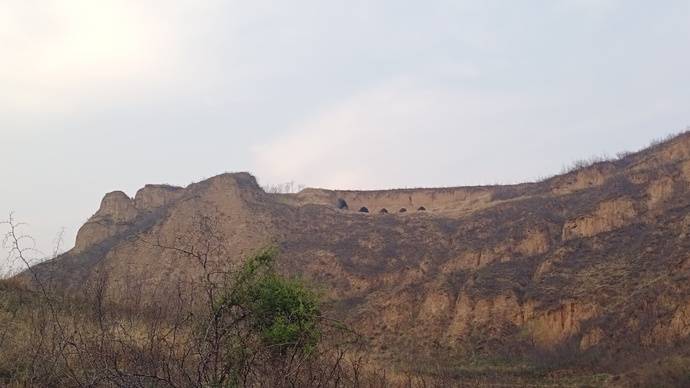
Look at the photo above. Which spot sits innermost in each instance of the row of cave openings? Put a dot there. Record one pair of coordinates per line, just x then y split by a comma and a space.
342, 205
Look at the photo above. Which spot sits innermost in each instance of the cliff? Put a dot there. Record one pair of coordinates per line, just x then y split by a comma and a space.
593, 263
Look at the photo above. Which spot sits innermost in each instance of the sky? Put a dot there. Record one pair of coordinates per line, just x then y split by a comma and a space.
115, 94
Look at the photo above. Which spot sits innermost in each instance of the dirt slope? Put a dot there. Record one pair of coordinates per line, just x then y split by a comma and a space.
590, 267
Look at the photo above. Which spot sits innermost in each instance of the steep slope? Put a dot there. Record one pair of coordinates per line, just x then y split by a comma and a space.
591, 266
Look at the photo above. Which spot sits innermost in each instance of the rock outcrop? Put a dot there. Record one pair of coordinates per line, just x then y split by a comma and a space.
116, 213
155, 196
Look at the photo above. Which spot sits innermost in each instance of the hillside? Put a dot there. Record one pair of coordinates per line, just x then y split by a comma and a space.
589, 269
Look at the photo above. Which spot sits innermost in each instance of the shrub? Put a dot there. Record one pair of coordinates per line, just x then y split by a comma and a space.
284, 312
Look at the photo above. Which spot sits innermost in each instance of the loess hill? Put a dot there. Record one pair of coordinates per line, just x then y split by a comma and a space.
590, 269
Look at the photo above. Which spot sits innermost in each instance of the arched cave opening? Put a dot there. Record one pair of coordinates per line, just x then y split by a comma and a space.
341, 204
363, 210
402, 210
383, 211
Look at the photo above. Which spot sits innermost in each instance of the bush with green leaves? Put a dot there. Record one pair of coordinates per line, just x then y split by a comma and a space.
235, 325
284, 312
260, 314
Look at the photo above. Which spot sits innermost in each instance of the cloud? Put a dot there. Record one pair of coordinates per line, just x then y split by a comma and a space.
59, 53
406, 131
321, 148
338, 94
590, 7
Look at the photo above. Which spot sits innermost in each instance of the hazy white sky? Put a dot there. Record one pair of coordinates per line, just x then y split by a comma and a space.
113, 94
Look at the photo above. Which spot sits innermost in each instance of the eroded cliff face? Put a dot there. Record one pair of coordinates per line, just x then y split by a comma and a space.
454, 200
609, 215
587, 178
152, 197
589, 262
134, 240
115, 215
671, 330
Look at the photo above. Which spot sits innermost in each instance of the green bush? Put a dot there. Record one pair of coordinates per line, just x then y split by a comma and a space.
284, 312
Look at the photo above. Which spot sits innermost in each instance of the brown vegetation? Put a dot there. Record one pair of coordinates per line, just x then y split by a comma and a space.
577, 279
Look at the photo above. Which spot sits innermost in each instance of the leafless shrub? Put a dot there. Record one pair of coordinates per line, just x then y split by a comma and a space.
582, 164
662, 140
623, 154
203, 334
284, 188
